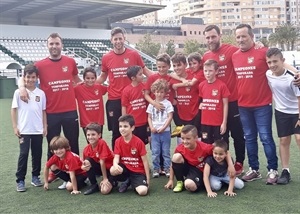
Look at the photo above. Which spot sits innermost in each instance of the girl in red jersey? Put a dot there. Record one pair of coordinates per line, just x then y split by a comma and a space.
66, 165
90, 100
98, 159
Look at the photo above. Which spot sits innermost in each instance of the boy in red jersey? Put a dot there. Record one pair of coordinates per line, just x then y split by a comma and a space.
222, 53
130, 159
214, 105
114, 66
97, 160
134, 103
66, 165
188, 162
90, 100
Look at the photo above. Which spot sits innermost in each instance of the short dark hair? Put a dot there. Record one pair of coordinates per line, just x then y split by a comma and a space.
250, 31
222, 144
89, 69
30, 69
196, 56
132, 71
190, 128
178, 58
54, 35
117, 30
127, 118
94, 127
164, 57
59, 142
274, 52
210, 62
212, 27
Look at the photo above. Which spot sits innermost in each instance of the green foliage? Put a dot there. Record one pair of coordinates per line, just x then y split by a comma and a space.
265, 42
170, 48
191, 46
286, 35
147, 46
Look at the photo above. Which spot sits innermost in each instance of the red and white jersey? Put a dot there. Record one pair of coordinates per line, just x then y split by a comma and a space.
187, 99
252, 84
226, 71
71, 162
56, 80
116, 65
134, 100
90, 103
212, 95
197, 156
100, 152
152, 78
131, 153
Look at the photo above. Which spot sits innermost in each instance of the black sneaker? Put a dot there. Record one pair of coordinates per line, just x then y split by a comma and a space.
284, 178
92, 189
124, 186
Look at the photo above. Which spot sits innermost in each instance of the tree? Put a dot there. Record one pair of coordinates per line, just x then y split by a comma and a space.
147, 46
170, 48
191, 46
228, 39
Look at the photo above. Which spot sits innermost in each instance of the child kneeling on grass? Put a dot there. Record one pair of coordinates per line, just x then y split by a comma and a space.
98, 159
188, 162
130, 159
215, 171
66, 165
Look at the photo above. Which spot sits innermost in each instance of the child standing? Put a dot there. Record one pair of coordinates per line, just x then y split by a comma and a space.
188, 162
130, 159
89, 99
134, 103
286, 97
214, 105
159, 124
98, 159
66, 165
30, 125
215, 171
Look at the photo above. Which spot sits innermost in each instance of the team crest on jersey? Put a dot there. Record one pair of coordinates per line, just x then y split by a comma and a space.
66, 166
96, 92
222, 57
200, 159
187, 89
37, 98
133, 151
126, 60
65, 68
97, 154
214, 92
250, 59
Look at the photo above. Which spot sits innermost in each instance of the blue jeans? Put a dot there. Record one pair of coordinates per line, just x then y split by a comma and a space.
259, 119
216, 182
160, 144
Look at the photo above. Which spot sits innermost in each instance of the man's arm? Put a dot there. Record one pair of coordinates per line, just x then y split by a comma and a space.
76, 79
147, 71
23, 93
101, 79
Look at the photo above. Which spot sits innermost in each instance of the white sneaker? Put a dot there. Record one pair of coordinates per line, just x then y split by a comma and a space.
63, 186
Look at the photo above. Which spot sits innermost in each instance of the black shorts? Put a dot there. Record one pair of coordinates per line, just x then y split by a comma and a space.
193, 173
196, 121
113, 112
136, 179
142, 132
210, 133
80, 181
285, 124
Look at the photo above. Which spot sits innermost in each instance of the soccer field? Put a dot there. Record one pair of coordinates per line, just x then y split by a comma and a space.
256, 197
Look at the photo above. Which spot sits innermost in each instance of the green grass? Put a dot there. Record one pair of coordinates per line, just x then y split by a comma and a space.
256, 197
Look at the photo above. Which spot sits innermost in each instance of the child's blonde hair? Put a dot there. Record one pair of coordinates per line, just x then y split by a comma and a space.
59, 142
159, 85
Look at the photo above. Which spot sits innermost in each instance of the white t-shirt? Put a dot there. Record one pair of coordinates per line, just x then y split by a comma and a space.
30, 115
285, 93
159, 118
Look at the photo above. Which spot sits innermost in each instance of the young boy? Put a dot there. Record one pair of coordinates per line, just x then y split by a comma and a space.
215, 171
187, 96
30, 125
98, 159
159, 124
134, 103
188, 162
66, 165
130, 159
286, 97
214, 105
89, 96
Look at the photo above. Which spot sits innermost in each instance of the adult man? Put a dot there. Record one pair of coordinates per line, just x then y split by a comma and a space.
114, 66
57, 74
255, 103
222, 53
